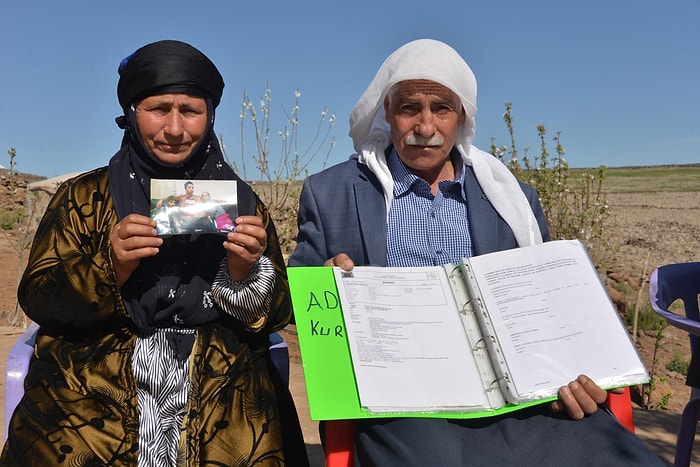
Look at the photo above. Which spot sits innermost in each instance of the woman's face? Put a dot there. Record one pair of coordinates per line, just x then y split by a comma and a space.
171, 125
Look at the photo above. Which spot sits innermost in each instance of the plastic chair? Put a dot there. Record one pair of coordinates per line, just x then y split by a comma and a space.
279, 354
23, 349
340, 434
667, 284
621, 406
16, 369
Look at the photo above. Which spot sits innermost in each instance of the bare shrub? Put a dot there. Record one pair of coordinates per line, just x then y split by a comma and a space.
278, 180
573, 201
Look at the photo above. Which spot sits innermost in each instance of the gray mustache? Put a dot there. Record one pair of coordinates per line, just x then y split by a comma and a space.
416, 140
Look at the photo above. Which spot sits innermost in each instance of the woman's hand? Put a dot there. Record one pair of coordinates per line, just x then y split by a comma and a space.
132, 239
245, 246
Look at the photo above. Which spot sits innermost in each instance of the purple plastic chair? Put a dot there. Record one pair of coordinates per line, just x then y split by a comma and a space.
667, 284
22, 351
16, 369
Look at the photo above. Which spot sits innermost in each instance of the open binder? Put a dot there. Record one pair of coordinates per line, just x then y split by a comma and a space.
492, 334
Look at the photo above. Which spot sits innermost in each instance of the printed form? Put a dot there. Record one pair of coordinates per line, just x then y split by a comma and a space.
407, 340
552, 318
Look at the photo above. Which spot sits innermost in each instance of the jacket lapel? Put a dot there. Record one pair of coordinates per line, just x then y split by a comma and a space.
483, 219
372, 215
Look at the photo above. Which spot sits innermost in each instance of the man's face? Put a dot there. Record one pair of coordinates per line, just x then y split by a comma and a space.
189, 189
425, 118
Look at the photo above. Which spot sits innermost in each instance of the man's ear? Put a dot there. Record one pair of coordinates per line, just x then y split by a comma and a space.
463, 117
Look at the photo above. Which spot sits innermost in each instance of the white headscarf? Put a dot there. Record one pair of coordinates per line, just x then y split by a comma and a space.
432, 60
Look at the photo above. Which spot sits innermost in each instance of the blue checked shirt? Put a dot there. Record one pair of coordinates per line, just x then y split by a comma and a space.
427, 230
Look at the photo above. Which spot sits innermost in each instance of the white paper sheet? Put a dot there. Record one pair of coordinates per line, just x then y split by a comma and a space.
552, 318
407, 342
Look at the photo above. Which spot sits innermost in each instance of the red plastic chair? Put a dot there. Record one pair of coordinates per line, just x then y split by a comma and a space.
668, 284
339, 441
621, 406
340, 434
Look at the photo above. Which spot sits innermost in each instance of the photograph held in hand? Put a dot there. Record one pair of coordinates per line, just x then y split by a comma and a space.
208, 207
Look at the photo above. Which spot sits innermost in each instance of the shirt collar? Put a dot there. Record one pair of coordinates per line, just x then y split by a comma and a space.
404, 178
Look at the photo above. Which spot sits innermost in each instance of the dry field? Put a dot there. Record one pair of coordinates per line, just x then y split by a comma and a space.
656, 222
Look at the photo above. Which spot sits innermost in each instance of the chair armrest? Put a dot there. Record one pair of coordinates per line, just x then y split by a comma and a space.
688, 325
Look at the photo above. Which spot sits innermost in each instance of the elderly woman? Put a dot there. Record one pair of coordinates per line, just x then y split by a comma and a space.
154, 351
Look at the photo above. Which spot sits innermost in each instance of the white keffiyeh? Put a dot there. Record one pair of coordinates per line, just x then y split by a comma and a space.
432, 60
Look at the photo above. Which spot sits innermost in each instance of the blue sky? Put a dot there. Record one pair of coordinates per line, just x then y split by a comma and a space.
617, 78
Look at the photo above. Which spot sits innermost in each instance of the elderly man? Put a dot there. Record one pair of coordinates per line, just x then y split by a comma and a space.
418, 193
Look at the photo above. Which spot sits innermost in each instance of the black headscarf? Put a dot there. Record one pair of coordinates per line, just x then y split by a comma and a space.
160, 68
171, 289
164, 67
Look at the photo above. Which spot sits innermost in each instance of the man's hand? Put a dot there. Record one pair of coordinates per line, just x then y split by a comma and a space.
342, 261
132, 239
245, 246
581, 397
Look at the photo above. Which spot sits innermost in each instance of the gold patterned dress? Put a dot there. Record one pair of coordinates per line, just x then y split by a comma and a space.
80, 406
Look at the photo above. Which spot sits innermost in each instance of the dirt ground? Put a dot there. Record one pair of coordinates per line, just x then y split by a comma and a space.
651, 229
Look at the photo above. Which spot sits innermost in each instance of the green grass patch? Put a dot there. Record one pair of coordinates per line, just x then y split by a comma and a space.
650, 179
678, 365
9, 219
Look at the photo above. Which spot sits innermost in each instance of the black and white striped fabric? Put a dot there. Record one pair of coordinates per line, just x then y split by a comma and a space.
163, 386
247, 300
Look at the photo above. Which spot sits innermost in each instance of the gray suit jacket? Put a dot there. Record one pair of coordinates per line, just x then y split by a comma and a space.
342, 210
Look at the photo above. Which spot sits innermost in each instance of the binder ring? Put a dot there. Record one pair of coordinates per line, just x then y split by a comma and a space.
476, 347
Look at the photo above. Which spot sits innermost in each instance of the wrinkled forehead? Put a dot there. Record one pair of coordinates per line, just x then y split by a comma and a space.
413, 87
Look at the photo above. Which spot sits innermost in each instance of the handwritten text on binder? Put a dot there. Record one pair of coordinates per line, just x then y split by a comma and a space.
320, 306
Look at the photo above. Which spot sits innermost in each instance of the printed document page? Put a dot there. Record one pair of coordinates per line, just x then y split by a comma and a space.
553, 319
409, 349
